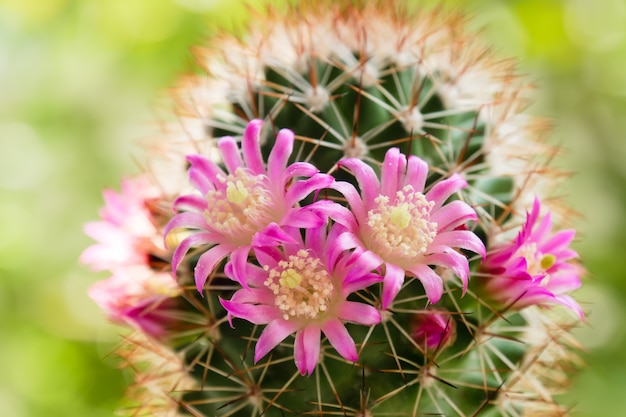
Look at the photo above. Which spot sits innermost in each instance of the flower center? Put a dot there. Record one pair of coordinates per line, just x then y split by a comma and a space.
537, 262
401, 230
241, 208
301, 285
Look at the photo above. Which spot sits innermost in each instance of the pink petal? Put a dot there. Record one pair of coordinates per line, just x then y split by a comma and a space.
391, 171
274, 333
239, 260
463, 239
453, 215
340, 339
307, 349
188, 220
255, 314
444, 189
303, 217
454, 260
568, 301
203, 173
302, 188
359, 313
190, 202
230, 153
197, 239
365, 176
255, 275
352, 285
354, 201
279, 156
433, 284
207, 262
253, 296
416, 174
558, 242
251, 148
272, 235
393, 280
300, 169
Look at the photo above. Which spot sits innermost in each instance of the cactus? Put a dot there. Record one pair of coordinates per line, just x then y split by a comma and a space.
334, 225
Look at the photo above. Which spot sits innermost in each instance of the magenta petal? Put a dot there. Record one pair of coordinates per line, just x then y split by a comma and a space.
307, 349
340, 339
279, 156
253, 296
454, 260
187, 220
416, 174
302, 188
303, 217
300, 169
251, 148
207, 262
393, 280
230, 153
354, 201
239, 260
359, 313
256, 314
433, 284
365, 176
558, 242
203, 173
274, 333
352, 285
444, 189
390, 173
568, 301
463, 239
194, 240
453, 215
271, 236
190, 202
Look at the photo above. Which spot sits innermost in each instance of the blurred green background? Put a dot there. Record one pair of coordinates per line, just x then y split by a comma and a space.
79, 81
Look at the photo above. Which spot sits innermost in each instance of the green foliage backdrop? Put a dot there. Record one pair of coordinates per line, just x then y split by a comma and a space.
80, 82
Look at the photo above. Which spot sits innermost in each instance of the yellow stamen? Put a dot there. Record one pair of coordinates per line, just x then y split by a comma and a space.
236, 192
400, 216
547, 261
290, 278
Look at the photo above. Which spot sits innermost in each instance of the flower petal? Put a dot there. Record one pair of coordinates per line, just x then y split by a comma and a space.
359, 313
256, 314
230, 153
391, 171
416, 174
307, 349
197, 239
463, 239
207, 262
251, 148
393, 280
366, 177
274, 333
433, 284
279, 156
444, 189
453, 215
340, 339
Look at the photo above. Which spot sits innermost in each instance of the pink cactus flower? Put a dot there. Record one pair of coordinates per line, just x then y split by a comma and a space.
535, 267
433, 329
138, 297
407, 231
126, 230
303, 289
245, 207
